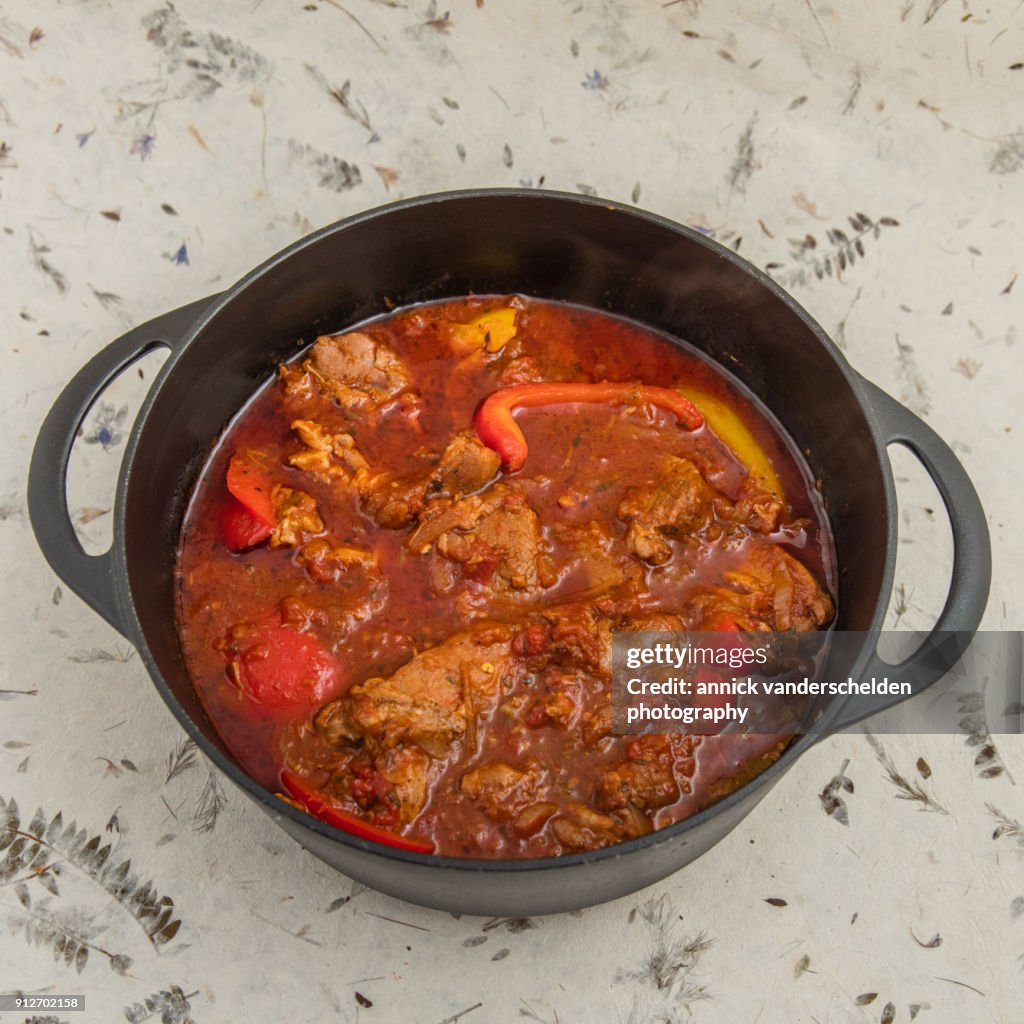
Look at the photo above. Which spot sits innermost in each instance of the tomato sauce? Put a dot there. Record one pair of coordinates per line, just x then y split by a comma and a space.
292, 641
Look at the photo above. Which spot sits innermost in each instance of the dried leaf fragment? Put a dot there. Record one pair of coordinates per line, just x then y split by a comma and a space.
388, 175
933, 943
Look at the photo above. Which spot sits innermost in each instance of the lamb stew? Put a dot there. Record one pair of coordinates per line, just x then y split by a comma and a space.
401, 569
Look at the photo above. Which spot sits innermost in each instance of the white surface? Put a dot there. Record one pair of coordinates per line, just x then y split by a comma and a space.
761, 121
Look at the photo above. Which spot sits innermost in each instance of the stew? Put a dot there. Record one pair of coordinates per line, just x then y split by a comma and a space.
401, 570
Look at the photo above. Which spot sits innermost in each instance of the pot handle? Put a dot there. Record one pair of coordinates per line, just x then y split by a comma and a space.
972, 560
90, 576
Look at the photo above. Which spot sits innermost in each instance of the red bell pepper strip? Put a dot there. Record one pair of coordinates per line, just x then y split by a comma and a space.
323, 807
239, 527
497, 428
249, 486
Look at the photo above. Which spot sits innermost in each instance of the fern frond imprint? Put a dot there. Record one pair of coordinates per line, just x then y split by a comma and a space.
38, 851
843, 247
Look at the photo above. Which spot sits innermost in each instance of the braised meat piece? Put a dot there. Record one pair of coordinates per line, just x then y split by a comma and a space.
559, 702
679, 503
327, 563
465, 466
782, 590
431, 701
597, 724
446, 516
570, 636
646, 779
496, 538
755, 508
653, 621
530, 820
770, 591
579, 827
297, 517
394, 503
682, 504
406, 771
356, 370
329, 456
390, 785
502, 789
598, 561
502, 549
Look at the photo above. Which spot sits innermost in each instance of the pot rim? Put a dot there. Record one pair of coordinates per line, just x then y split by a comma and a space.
278, 808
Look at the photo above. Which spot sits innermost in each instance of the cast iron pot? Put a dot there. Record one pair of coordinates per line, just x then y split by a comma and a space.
554, 246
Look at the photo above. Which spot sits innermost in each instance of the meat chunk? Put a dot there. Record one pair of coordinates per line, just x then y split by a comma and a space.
501, 789
530, 820
559, 703
755, 508
679, 503
327, 564
394, 503
496, 539
465, 466
406, 771
569, 636
389, 785
597, 724
771, 590
578, 827
446, 516
431, 701
357, 371
654, 622
782, 589
328, 456
646, 779
598, 562
297, 517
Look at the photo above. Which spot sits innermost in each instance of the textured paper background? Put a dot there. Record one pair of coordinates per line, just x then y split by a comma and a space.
152, 154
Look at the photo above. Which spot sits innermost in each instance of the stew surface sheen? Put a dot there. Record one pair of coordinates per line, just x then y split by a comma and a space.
403, 636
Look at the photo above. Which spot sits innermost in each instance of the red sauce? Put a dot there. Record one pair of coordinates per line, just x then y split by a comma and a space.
362, 621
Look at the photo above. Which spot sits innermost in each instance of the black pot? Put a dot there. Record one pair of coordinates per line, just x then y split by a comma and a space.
554, 246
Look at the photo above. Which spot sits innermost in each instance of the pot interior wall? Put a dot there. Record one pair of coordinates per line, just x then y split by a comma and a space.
560, 249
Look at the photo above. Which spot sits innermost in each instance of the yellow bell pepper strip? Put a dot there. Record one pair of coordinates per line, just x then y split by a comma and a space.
491, 331
735, 435
321, 806
497, 428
